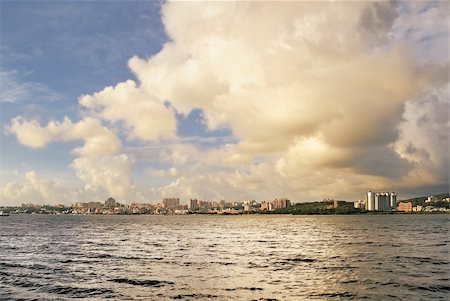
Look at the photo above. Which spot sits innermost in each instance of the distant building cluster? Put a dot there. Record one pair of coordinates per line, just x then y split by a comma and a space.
381, 201
375, 201
173, 206
385, 201
170, 202
275, 204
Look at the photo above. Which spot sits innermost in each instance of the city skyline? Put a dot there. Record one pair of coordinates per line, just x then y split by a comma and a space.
144, 100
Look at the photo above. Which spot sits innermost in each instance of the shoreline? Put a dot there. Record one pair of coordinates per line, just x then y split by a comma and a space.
244, 214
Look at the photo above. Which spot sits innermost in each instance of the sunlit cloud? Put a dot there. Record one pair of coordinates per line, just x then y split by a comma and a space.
320, 99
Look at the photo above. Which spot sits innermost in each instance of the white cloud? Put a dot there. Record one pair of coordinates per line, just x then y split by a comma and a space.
98, 139
275, 85
101, 165
113, 173
145, 116
30, 133
316, 87
32, 189
162, 173
323, 98
14, 89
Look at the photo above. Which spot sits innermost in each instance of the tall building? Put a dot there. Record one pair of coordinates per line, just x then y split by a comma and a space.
381, 201
193, 204
281, 203
393, 201
170, 202
360, 204
370, 205
265, 206
110, 203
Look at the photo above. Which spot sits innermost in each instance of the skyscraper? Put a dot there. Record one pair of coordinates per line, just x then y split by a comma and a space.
381, 201
193, 204
370, 205
393, 201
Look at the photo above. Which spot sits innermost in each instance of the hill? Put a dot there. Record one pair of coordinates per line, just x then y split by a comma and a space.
319, 208
421, 200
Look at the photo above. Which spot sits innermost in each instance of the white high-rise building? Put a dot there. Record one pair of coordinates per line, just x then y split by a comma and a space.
370, 205
381, 201
393, 201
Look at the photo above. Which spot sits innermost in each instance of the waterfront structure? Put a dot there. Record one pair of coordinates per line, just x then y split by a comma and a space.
417, 208
170, 202
193, 204
275, 204
393, 200
110, 203
381, 201
360, 204
265, 206
405, 206
281, 203
370, 205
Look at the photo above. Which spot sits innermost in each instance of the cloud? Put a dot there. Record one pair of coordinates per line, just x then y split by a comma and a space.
296, 79
424, 137
98, 140
32, 189
101, 163
322, 99
143, 115
162, 173
316, 86
113, 173
424, 29
14, 89
29, 133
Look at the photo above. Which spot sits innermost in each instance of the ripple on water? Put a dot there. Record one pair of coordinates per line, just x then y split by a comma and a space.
147, 283
261, 258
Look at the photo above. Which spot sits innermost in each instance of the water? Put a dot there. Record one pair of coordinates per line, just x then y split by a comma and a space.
385, 257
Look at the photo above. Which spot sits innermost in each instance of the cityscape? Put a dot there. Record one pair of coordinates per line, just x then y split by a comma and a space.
375, 202
224, 150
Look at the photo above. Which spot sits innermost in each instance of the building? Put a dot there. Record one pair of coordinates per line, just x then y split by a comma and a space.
370, 205
110, 203
360, 204
417, 208
393, 200
381, 201
405, 206
247, 205
281, 203
275, 204
265, 206
193, 204
170, 202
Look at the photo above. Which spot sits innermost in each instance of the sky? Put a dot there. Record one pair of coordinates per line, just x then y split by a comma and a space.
141, 100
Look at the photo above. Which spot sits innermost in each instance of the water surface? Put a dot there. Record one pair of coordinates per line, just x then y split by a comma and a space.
371, 257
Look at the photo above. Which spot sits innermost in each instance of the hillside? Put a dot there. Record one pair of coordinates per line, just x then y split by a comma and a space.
421, 200
318, 208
